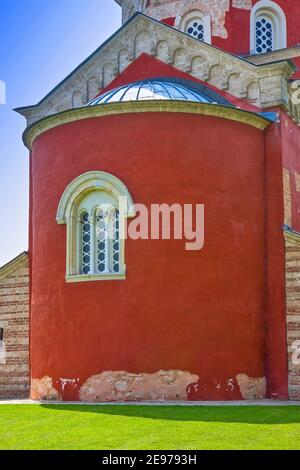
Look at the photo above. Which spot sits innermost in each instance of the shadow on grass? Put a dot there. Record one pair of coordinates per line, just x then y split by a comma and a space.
229, 414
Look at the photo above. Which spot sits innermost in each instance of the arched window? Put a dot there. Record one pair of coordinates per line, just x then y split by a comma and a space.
95, 207
196, 25
268, 27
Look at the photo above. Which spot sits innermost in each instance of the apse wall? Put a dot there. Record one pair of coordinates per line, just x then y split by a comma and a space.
184, 325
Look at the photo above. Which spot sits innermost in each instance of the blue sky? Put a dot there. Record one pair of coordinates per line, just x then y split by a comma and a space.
40, 43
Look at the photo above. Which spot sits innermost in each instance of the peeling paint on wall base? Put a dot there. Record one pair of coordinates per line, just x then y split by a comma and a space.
42, 389
252, 389
111, 386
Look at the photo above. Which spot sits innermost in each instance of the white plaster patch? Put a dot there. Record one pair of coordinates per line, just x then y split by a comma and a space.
171, 385
252, 388
43, 389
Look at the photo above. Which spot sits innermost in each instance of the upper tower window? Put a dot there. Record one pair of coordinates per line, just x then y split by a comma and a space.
94, 207
268, 27
264, 41
196, 25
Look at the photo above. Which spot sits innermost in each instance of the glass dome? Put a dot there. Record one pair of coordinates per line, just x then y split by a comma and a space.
157, 89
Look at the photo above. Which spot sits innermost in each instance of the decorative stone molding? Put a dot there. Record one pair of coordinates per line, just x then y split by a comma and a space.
145, 35
68, 213
275, 56
162, 9
153, 106
293, 98
88, 182
291, 89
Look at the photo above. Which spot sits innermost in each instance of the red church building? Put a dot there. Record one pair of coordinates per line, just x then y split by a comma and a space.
190, 102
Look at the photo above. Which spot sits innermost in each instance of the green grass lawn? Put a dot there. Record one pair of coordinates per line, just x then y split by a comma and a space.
63, 427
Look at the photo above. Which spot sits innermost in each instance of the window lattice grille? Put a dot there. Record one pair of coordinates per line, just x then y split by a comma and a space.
116, 241
86, 244
195, 28
264, 36
101, 242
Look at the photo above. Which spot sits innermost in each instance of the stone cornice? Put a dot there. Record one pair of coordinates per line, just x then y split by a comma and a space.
155, 106
262, 85
275, 56
285, 68
13, 265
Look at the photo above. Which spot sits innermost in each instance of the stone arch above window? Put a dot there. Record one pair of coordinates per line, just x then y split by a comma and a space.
196, 24
268, 31
94, 207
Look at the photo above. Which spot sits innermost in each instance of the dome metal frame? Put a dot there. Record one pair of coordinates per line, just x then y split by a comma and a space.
171, 89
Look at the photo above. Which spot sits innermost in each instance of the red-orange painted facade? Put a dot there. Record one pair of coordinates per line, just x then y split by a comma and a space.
198, 311
218, 313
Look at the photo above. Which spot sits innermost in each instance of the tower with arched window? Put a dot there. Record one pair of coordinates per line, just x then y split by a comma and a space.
255, 26
268, 29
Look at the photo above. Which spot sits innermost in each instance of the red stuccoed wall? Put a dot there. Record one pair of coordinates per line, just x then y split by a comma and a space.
276, 344
202, 312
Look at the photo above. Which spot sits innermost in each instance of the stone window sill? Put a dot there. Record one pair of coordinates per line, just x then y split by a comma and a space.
96, 277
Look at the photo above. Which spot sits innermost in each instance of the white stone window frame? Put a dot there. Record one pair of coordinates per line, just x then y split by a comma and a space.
68, 213
276, 15
183, 21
